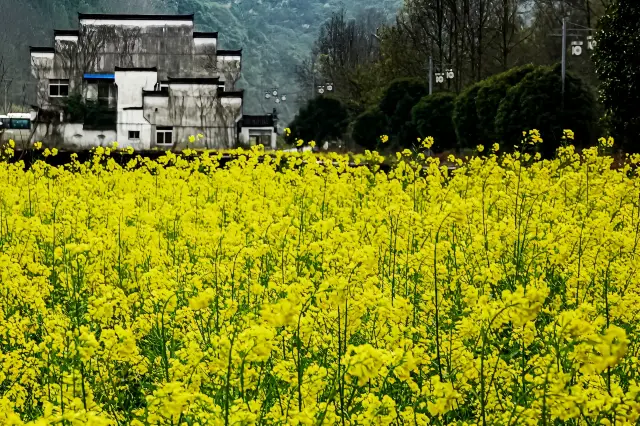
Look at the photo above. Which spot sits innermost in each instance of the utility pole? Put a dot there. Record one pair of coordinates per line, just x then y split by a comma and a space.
575, 32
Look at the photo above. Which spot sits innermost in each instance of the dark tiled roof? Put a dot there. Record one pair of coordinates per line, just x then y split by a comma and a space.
156, 93
66, 32
195, 80
42, 49
136, 69
205, 35
133, 17
222, 52
234, 94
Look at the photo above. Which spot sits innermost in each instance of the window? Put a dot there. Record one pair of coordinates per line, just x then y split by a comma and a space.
58, 88
134, 134
164, 135
106, 93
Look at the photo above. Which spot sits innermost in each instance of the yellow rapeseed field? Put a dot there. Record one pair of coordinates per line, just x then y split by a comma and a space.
282, 290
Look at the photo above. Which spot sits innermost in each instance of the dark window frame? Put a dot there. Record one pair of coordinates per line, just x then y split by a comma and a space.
134, 134
58, 88
163, 134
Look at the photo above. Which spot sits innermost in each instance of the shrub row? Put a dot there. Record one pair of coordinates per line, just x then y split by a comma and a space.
497, 109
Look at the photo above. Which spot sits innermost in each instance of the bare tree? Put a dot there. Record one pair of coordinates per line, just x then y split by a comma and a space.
343, 49
5, 82
127, 42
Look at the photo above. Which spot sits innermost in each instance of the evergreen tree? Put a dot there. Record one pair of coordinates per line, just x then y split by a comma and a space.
323, 119
617, 59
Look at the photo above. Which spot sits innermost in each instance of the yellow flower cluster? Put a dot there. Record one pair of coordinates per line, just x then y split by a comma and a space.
606, 142
568, 134
533, 136
297, 289
426, 142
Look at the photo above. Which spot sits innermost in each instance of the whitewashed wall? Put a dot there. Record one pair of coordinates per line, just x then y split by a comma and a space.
134, 120
72, 135
130, 86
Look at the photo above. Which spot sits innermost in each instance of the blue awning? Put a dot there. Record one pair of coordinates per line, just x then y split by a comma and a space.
99, 76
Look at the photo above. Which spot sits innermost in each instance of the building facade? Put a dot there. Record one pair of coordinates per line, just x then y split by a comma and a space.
146, 81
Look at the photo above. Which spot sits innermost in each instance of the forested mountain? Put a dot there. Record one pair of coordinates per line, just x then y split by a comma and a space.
276, 35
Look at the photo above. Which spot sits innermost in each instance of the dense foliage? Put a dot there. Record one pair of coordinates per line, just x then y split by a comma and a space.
537, 103
489, 97
368, 127
465, 117
322, 119
285, 290
617, 61
399, 98
433, 116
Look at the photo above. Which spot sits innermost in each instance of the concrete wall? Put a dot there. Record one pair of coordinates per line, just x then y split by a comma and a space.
193, 109
72, 136
130, 86
134, 120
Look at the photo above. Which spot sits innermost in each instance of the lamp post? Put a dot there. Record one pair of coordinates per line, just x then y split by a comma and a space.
576, 46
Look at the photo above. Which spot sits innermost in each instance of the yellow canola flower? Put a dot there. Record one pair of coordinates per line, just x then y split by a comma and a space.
287, 288
427, 142
568, 134
606, 142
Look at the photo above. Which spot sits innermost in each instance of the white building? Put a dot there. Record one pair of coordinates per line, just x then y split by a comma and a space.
144, 81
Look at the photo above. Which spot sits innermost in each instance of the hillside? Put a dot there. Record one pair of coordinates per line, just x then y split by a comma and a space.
275, 35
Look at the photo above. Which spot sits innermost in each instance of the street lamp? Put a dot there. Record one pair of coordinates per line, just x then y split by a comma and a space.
328, 87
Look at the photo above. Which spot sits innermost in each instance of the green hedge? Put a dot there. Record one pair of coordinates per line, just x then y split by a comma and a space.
433, 116
465, 117
489, 97
368, 127
396, 104
322, 119
536, 103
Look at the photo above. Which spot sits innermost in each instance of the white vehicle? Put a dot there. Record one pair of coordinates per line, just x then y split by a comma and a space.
16, 126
